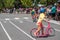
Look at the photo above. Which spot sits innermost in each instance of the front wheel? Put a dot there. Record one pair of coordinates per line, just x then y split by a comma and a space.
51, 32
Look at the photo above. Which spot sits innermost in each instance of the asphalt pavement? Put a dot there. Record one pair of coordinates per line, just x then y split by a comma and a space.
18, 27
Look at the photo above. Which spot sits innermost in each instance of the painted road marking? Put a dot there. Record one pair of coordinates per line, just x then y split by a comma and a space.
25, 18
7, 19
57, 30
16, 18
51, 21
55, 22
22, 30
5, 31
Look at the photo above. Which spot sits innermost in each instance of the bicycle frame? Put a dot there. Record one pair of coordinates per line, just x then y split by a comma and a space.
47, 29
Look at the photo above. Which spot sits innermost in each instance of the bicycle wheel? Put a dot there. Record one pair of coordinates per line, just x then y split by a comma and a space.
32, 32
51, 32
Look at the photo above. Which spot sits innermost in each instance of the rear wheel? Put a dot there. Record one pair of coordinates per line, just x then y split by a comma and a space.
32, 32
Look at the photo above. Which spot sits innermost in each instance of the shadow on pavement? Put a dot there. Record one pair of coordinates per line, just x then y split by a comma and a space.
45, 36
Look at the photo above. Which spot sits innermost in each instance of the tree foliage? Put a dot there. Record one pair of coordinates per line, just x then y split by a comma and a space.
27, 3
17, 3
9, 3
49, 2
43, 1
1, 4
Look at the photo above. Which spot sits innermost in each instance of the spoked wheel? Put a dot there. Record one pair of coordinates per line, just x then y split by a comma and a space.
51, 32
32, 32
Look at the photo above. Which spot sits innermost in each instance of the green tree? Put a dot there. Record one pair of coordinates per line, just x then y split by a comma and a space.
52, 1
17, 3
9, 3
27, 3
43, 1
48, 2
1, 4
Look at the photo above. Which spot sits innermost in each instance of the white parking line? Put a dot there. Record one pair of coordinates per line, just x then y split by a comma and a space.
57, 30
5, 31
25, 18
55, 22
16, 18
7, 19
22, 30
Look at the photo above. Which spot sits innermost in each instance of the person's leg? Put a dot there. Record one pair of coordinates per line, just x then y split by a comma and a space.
53, 16
56, 16
38, 29
42, 29
37, 16
50, 15
59, 16
34, 18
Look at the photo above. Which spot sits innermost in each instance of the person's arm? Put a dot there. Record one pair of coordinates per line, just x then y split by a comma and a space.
46, 19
